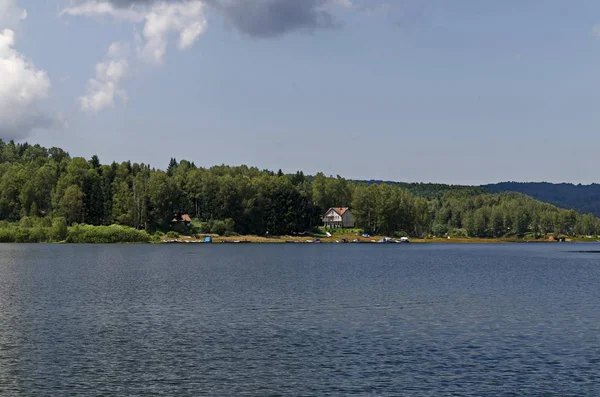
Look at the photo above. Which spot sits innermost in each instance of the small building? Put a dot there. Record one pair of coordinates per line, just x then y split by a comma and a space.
338, 217
181, 218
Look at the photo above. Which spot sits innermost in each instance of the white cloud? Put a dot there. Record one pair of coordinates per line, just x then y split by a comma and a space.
11, 14
185, 19
110, 74
157, 24
22, 86
96, 8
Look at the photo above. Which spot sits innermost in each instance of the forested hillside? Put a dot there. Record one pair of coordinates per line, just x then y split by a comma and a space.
431, 190
48, 186
582, 198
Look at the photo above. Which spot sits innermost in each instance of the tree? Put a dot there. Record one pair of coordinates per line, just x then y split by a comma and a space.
71, 205
172, 166
163, 197
39, 184
123, 205
422, 219
496, 226
320, 192
58, 231
93, 202
363, 206
477, 222
95, 162
140, 199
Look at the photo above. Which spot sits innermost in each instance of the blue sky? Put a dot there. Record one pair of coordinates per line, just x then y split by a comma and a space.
460, 91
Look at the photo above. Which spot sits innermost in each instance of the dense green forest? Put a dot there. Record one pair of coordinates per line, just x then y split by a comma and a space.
44, 192
582, 198
431, 190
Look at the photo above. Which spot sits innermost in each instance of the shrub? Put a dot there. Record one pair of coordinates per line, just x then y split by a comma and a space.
229, 226
172, 234
26, 222
458, 233
58, 231
218, 227
38, 234
6, 235
21, 235
204, 228
106, 234
440, 229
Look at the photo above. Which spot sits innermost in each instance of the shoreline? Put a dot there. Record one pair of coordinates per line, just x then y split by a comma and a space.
369, 240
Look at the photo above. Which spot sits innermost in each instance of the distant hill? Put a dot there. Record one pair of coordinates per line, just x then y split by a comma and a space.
432, 190
582, 198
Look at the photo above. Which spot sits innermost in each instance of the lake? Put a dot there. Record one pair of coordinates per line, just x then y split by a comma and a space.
300, 320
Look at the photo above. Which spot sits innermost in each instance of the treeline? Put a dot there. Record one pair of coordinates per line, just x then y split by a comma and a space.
582, 198
431, 190
385, 208
40, 185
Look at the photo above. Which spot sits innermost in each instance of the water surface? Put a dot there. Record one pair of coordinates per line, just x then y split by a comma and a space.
300, 320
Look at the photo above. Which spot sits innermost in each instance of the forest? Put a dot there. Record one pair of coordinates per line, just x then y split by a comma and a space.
47, 195
582, 198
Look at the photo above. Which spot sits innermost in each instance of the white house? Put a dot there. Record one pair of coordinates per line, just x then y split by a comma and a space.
340, 217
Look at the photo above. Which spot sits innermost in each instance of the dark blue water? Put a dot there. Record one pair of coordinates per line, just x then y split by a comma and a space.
300, 320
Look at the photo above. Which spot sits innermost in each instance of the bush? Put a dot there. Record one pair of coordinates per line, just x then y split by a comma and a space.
221, 227
440, 229
218, 227
204, 228
458, 233
7, 235
58, 231
229, 226
172, 234
39, 234
399, 234
26, 222
21, 235
106, 234
28, 230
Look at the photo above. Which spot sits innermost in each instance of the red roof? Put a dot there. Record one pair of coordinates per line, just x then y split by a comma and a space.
340, 210
181, 218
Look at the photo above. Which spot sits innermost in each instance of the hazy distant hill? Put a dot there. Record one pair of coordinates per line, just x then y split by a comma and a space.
432, 190
583, 198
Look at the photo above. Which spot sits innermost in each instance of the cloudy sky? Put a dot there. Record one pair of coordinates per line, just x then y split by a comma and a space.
458, 91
